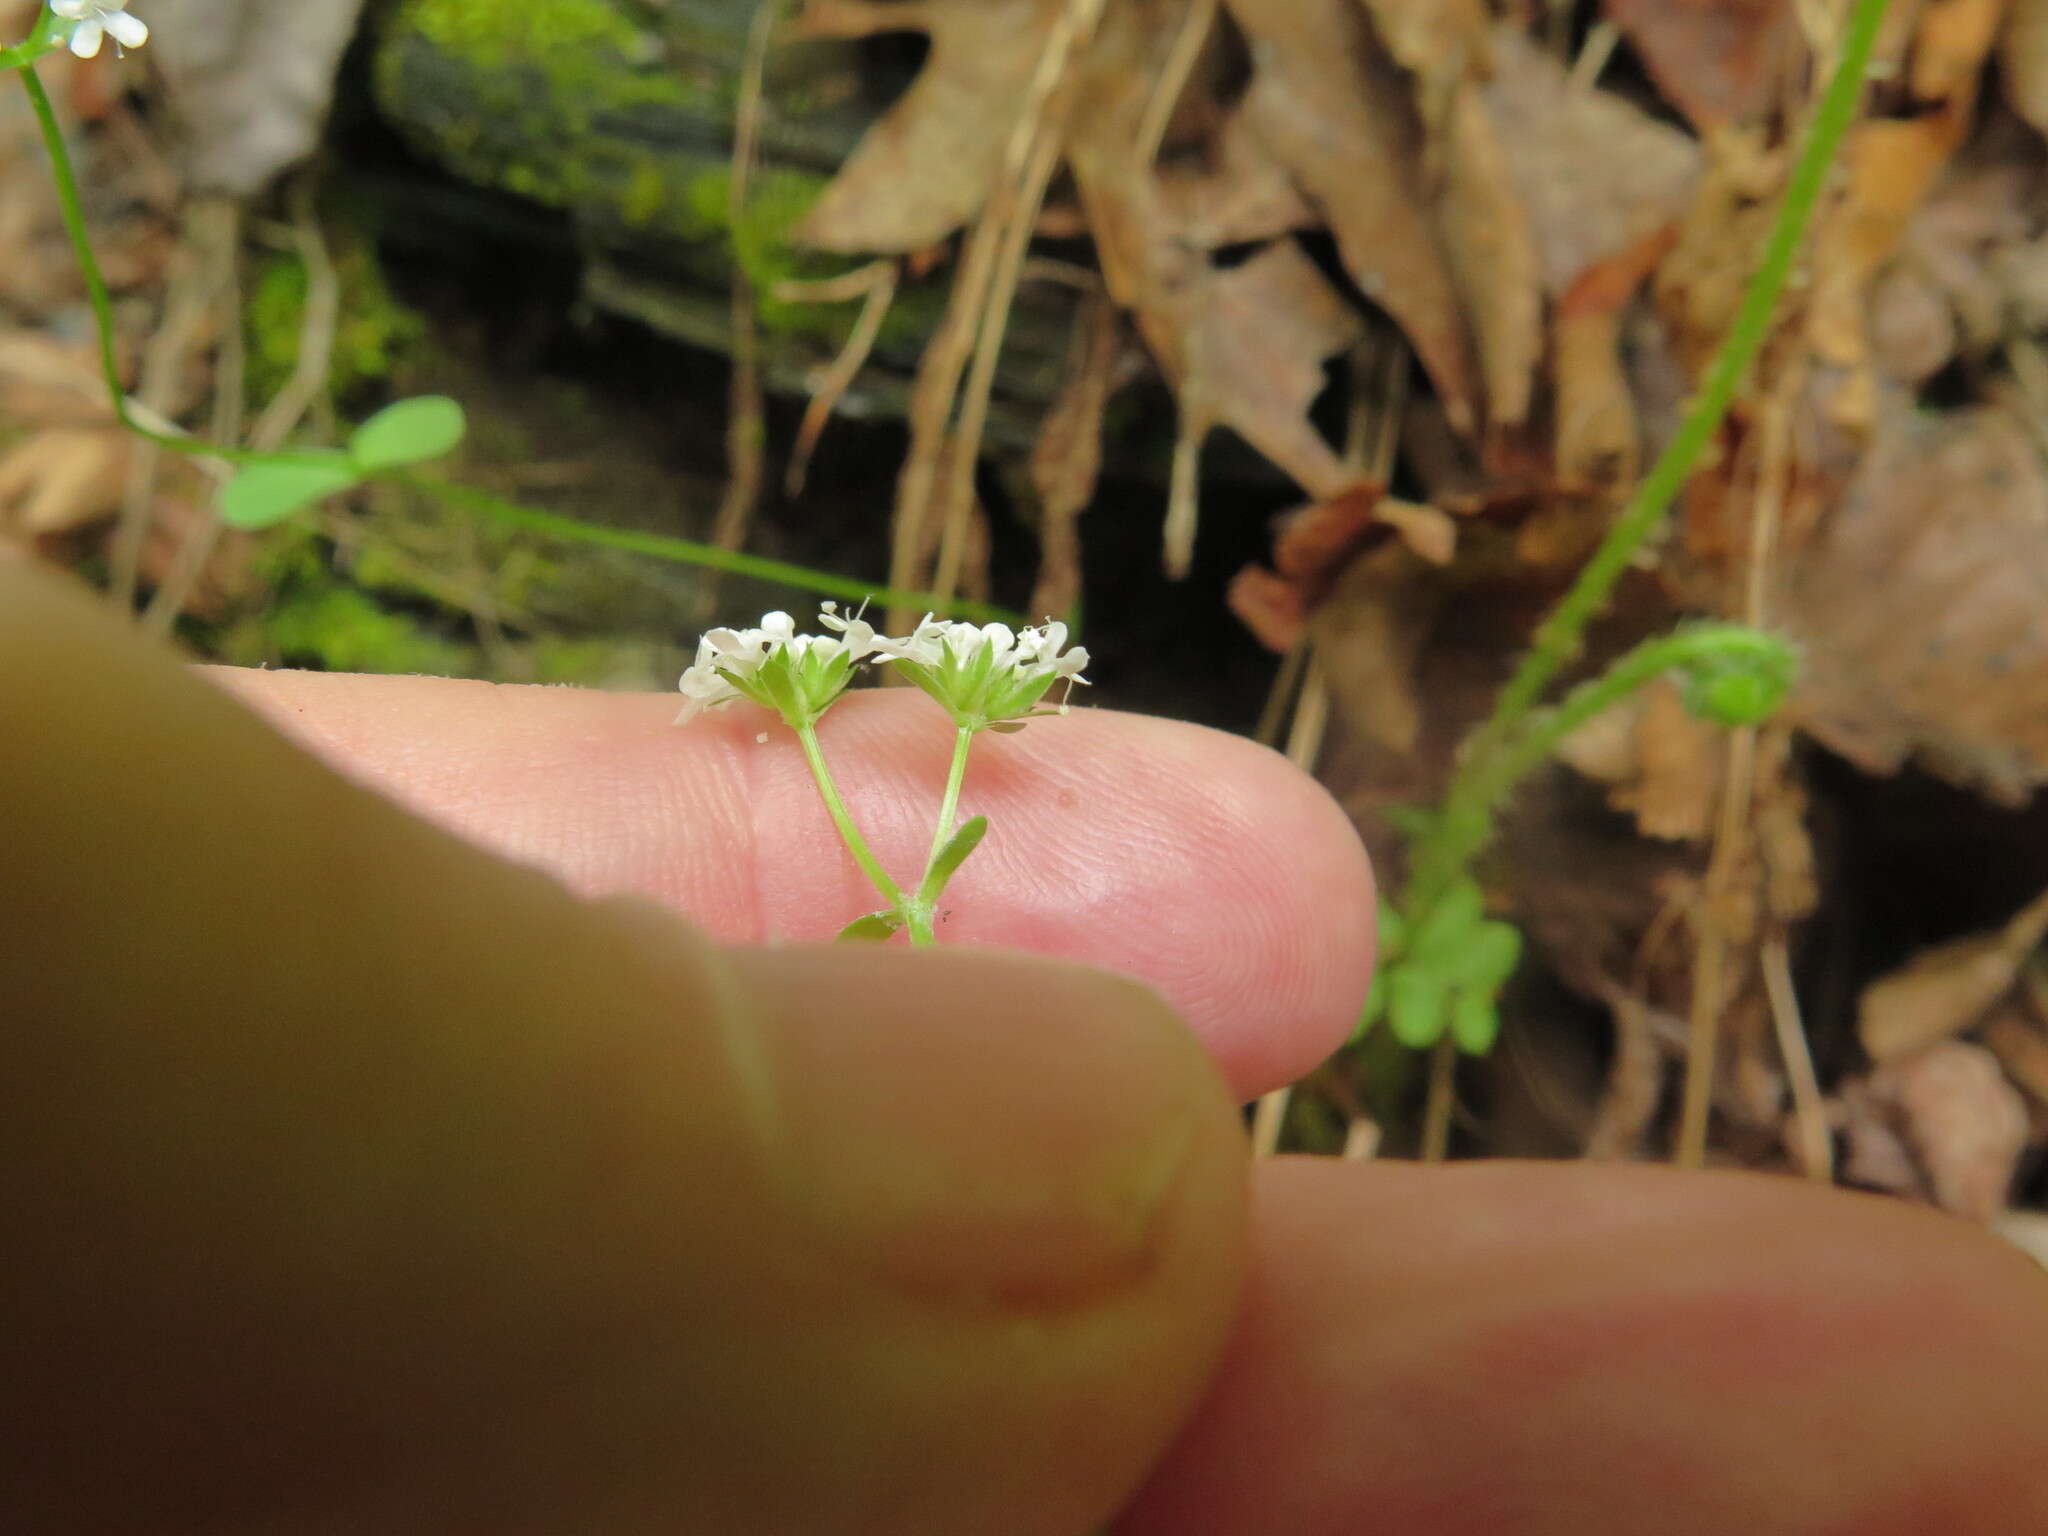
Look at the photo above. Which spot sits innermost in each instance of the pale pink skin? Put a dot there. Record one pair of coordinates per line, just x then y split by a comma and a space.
1500, 1349
1194, 860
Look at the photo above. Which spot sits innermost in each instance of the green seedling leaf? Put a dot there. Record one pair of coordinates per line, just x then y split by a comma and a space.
269, 491
1491, 953
963, 842
1375, 1007
1393, 931
1475, 1021
1447, 927
872, 929
408, 432
1416, 999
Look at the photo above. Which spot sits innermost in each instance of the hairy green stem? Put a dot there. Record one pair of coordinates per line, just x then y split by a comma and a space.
843, 820
1557, 639
1466, 821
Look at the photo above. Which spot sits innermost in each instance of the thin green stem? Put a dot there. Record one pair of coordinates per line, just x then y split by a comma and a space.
662, 546
96, 291
1558, 637
1465, 825
843, 820
949, 806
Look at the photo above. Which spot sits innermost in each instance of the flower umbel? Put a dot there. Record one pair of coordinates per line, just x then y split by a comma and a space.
95, 20
797, 676
986, 674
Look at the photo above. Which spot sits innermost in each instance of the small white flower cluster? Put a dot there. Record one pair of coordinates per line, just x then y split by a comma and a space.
985, 675
93, 21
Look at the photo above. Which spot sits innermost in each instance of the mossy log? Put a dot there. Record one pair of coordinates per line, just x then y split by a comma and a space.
619, 112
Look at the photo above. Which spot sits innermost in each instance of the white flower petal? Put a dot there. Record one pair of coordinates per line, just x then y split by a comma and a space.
128, 31
85, 38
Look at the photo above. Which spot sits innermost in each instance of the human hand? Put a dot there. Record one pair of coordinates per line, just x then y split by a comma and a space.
358, 1181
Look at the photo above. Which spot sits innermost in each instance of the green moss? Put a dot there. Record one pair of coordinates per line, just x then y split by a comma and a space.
373, 335
502, 33
512, 93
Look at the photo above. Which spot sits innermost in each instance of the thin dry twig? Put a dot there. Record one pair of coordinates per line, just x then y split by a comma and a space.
746, 433
281, 417
877, 281
1016, 201
1049, 105
1731, 854
211, 233
1814, 1145
1195, 30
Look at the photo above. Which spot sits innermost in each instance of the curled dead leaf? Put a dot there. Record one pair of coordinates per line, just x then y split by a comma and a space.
930, 163
1921, 606
1945, 990
1964, 1123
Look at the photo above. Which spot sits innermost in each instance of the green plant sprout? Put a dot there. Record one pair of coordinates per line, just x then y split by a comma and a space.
266, 488
986, 677
1443, 963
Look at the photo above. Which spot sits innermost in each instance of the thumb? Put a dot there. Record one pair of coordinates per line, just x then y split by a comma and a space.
358, 1180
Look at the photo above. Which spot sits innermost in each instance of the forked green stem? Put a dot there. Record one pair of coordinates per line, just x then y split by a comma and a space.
849, 833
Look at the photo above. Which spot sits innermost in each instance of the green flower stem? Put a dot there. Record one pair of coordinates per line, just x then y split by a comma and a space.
1557, 639
843, 820
1466, 821
949, 807
96, 286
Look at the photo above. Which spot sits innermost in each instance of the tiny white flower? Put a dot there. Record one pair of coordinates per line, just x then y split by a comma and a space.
96, 20
986, 674
798, 676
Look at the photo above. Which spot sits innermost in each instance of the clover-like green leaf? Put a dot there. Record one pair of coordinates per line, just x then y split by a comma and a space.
270, 490
1416, 999
875, 928
408, 432
1475, 1021
965, 839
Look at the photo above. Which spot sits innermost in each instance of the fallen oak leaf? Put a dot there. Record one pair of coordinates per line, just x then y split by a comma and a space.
1332, 107
927, 166
1717, 61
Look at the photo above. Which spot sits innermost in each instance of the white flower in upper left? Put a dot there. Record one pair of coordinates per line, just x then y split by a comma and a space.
797, 676
95, 20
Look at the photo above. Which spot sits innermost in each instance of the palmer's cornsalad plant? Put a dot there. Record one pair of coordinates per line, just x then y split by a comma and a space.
987, 677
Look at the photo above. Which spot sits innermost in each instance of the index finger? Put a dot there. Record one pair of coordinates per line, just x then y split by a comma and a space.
1194, 860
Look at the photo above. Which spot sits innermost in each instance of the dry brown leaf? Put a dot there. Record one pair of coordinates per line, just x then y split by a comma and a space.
63, 478
1270, 606
1243, 346
1945, 990
929, 164
1493, 256
2023, 60
1368, 635
1658, 760
1440, 42
1950, 46
1242, 197
1921, 603
1333, 108
1965, 1124
1066, 459
2019, 1042
1892, 163
1717, 61
1600, 177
